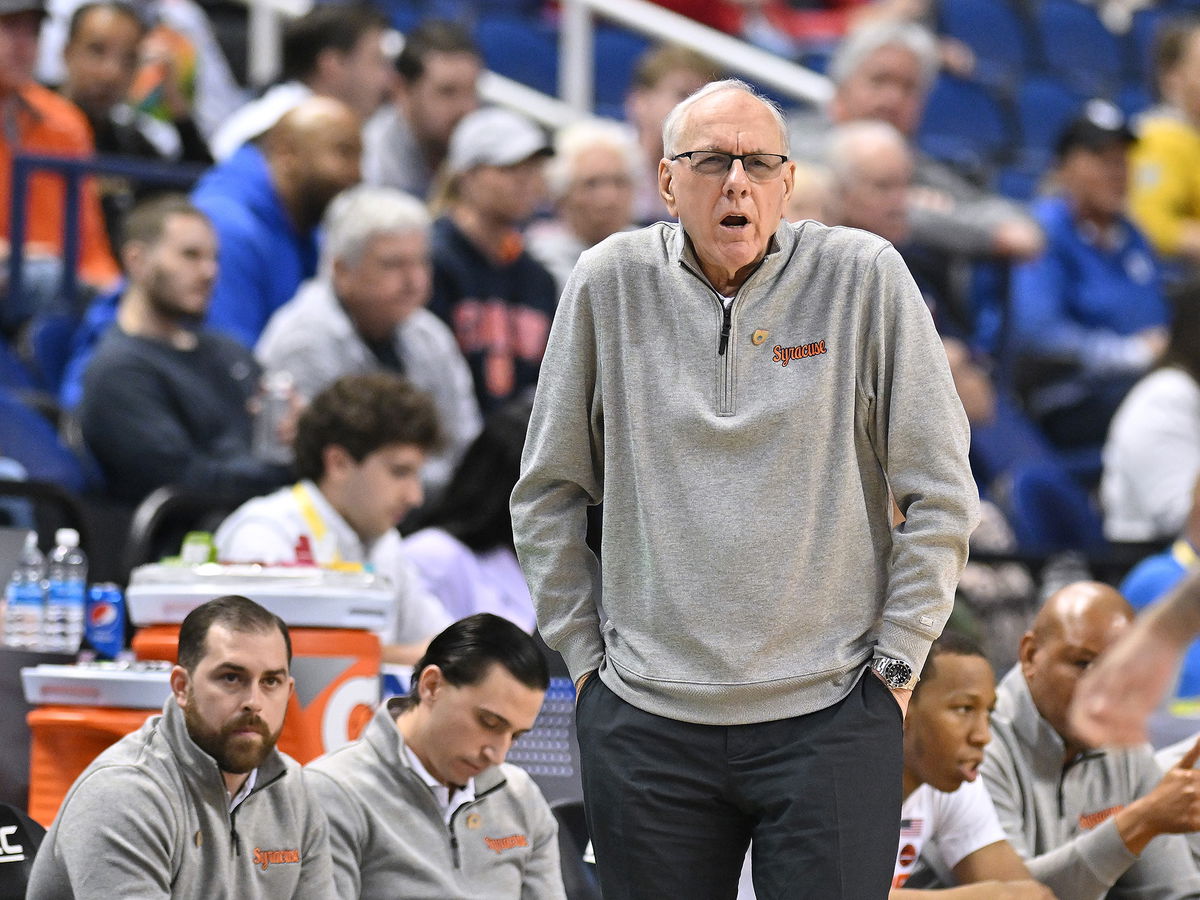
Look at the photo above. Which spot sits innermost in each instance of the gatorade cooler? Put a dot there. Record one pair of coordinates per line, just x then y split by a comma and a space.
81, 710
331, 615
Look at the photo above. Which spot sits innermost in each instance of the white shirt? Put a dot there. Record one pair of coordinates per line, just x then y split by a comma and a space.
268, 529
441, 793
961, 823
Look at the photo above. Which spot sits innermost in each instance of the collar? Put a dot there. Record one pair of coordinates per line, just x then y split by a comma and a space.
449, 802
201, 769
322, 520
244, 791
681, 252
385, 739
1031, 729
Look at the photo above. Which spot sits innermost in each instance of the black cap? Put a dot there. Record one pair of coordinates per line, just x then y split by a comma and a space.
12, 7
1098, 127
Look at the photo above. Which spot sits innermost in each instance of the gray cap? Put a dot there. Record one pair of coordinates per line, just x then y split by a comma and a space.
493, 137
12, 7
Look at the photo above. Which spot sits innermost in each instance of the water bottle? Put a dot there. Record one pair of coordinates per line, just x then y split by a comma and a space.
275, 405
66, 580
25, 598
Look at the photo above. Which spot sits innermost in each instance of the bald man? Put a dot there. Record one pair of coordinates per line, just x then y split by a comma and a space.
1089, 822
265, 203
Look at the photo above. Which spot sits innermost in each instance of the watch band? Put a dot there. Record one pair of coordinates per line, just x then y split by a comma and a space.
896, 673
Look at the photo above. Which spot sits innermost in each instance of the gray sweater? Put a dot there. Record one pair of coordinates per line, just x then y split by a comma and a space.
389, 839
1060, 819
149, 818
750, 565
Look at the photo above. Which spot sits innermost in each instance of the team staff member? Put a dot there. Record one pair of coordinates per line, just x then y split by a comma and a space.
424, 805
743, 395
197, 802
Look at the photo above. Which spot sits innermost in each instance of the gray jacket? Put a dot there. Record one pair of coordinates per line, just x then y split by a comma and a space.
389, 838
750, 564
311, 338
149, 818
1061, 819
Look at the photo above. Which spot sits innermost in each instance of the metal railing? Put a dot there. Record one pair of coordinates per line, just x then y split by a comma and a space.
74, 170
576, 46
576, 53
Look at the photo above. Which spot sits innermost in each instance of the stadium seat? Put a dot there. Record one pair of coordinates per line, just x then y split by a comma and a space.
965, 124
994, 32
1075, 45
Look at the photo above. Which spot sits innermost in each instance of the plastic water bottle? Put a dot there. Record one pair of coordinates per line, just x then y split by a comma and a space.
66, 594
25, 598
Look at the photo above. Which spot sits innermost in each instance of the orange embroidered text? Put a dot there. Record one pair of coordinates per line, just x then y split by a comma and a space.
785, 355
1088, 821
506, 843
267, 858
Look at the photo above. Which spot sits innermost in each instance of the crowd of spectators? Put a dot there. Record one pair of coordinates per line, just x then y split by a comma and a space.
370, 235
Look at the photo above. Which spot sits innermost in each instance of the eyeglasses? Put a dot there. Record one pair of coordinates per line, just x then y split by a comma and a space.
759, 167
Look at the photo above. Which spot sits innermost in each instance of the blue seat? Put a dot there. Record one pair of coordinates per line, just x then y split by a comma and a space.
616, 54
994, 32
1045, 104
27, 437
519, 49
1139, 44
1075, 45
49, 339
965, 123
13, 372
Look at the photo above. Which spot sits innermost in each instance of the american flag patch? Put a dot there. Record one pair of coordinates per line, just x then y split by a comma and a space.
911, 827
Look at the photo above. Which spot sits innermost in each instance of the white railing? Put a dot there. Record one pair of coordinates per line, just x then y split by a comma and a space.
576, 53
576, 46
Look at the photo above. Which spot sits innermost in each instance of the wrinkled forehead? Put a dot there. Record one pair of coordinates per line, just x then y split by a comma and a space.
731, 120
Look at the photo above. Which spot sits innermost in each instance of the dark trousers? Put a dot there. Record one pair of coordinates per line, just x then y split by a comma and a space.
671, 806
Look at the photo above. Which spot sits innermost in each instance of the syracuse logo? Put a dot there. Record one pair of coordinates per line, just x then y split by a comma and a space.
267, 858
785, 355
499, 845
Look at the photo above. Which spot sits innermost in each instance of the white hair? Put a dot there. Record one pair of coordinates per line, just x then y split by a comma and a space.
364, 212
572, 140
848, 144
674, 120
862, 42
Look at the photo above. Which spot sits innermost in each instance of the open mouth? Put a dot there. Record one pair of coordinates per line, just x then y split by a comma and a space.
969, 769
735, 221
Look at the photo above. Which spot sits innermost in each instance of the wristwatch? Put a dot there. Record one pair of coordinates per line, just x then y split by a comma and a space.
896, 673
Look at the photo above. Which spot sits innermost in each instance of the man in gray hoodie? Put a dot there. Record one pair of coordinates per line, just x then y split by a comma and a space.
424, 805
198, 803
746, 397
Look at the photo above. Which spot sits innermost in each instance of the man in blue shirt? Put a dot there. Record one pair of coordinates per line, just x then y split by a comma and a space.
1090, 309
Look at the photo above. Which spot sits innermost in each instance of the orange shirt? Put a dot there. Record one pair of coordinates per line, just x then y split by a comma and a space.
48, 124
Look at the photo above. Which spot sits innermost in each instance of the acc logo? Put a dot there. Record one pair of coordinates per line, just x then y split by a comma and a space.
908, 855
10, 852
499, 845
266, 858
759, 337
474, 820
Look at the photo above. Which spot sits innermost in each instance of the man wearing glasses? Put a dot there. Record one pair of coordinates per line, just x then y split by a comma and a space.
745, 397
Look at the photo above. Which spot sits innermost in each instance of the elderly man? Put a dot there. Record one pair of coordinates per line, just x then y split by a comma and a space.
198, 802
746, 666
591, 179
366, 312
1089, 822
884, 71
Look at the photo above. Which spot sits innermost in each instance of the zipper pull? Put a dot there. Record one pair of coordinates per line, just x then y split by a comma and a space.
454, 848
725, 326
237, 847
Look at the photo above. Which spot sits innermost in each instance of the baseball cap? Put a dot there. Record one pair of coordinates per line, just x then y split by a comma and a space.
1100, 125
12, 7
493, 137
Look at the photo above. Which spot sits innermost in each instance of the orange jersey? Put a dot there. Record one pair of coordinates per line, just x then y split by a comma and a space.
48, 124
